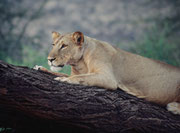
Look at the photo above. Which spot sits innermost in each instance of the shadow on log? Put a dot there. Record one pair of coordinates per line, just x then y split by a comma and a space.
31, 101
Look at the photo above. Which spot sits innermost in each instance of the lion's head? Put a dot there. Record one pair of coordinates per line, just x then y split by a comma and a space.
67, 49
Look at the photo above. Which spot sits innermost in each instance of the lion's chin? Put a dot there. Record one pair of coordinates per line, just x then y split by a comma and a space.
55, 69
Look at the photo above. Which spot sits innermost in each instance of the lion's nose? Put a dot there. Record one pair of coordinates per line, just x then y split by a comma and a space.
51, 59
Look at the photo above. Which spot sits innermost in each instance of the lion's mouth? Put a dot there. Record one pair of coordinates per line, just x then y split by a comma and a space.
55, 68
60, 66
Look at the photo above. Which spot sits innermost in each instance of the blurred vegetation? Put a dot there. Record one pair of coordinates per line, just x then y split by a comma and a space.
156, 45
14, 19
162, 42
174, 19
16, 47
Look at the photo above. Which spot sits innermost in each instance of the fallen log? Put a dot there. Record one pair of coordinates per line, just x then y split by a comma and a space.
31, 101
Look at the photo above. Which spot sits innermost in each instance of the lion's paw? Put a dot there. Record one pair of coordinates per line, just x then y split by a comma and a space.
61, 79
65, 79
36, 67
174, 107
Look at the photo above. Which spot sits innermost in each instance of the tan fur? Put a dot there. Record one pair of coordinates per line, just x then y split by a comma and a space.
97, 63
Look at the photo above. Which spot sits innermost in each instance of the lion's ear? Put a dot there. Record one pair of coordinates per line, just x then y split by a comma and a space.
55, 35
78, 37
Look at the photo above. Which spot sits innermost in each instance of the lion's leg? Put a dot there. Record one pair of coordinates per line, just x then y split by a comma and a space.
174, 107
92, 79
46, 70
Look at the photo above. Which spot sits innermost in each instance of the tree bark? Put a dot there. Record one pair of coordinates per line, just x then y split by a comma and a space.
31, 101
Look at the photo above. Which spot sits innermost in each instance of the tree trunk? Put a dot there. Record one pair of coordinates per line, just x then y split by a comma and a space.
31, 101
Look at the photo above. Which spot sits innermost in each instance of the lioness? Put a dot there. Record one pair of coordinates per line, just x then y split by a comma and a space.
97, 63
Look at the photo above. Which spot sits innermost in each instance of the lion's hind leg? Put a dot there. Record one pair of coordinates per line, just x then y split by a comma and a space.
174, 107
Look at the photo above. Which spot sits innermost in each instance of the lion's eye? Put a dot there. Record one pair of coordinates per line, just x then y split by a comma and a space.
63, 46
53, 44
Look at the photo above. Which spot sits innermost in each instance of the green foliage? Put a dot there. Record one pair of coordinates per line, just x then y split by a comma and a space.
30, 58
5, 130
155, 45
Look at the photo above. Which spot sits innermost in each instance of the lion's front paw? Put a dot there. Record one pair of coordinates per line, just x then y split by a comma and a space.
61, 79
36, 67
65, 79
174, 107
